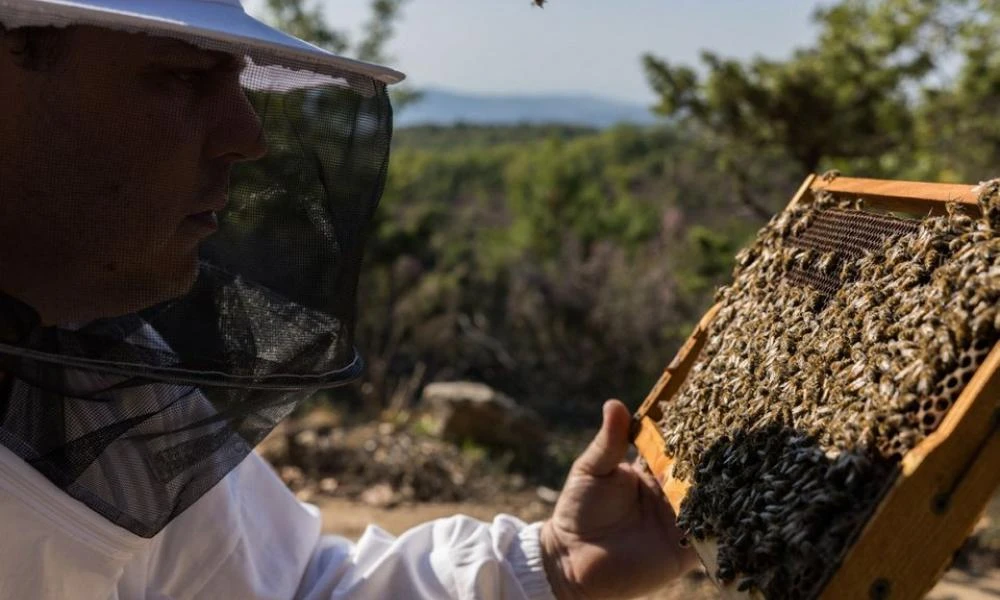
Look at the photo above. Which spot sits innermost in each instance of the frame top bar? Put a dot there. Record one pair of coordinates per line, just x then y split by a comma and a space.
907, 196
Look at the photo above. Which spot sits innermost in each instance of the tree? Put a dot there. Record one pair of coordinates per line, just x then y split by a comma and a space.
305, 20
958, 124
295, 17
849, 97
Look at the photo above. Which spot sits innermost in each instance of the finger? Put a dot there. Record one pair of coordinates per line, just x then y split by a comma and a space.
653, 482
609, 445
639, 465
657, 498
684, 556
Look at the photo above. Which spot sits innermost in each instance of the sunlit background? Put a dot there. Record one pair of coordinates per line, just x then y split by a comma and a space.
568, 188
575, 47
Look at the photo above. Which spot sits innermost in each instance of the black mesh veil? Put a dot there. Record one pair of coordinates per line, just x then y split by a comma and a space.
180, 239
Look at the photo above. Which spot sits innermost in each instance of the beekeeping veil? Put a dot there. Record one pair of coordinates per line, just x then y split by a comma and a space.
184, 196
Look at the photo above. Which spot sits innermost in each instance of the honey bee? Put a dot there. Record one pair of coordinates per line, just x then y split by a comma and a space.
863, 381
830, 175
538, 3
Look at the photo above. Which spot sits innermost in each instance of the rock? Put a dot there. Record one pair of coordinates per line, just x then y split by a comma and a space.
380, 496
328, 485
293, 477
306, 438
274, 448
547, 494
465, 411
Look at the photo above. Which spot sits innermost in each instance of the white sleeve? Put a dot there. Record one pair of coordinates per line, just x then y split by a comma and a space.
457, 557
250, 538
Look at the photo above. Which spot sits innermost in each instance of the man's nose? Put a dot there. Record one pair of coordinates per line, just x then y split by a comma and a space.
236, 133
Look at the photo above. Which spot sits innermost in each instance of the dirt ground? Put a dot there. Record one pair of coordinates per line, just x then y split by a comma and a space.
349, 518
377, 474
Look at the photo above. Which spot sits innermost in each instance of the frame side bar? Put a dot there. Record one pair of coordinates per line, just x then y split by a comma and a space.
944, 485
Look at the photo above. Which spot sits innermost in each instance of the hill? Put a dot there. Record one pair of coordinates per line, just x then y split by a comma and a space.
441, 107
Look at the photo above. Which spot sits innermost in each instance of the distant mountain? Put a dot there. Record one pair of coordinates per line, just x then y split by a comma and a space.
440, 107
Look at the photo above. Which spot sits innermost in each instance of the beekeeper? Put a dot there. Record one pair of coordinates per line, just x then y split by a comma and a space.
184, 196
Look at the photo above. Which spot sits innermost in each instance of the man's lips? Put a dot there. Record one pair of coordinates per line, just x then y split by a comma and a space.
215, 201
206, 219
212, 199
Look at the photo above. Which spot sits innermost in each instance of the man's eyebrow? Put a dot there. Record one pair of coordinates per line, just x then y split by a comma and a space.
178, 48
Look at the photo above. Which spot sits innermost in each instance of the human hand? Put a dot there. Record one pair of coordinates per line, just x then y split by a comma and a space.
613, 533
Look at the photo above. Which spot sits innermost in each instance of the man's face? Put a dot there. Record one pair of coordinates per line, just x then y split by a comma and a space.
115, 157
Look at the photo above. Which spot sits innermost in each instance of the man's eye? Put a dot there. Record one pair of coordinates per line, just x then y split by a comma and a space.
195, 78
187, 76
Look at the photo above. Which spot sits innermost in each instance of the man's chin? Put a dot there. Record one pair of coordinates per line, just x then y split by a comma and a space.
114, 292
181, 281
161, 285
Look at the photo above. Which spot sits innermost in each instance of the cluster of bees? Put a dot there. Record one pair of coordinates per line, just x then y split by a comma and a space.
779, 507
842, 342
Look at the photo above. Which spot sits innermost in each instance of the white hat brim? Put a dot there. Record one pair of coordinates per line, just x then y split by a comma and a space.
221, 22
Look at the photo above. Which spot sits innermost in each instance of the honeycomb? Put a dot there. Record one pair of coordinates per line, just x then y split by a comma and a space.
843, 341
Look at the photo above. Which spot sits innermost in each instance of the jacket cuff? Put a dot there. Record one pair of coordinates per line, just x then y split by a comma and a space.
525, 559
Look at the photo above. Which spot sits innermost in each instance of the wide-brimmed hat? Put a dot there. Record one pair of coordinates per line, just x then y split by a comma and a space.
209, 23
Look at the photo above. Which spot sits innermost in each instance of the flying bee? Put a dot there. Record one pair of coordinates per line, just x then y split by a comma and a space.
538, 3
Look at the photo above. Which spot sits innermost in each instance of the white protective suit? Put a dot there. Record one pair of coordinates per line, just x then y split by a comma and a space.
249, 538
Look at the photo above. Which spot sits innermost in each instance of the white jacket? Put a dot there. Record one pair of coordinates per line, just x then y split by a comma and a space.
249, 538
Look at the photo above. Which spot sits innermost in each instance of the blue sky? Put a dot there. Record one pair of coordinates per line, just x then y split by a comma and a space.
571, 46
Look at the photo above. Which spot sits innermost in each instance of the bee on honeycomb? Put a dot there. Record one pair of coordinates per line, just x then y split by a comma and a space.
842, 342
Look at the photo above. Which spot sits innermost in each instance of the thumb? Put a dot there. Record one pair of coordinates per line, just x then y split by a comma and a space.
608, 447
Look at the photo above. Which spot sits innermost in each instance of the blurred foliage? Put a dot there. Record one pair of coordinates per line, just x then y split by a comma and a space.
565, 265
847, 101
305, 19
958, 129
445, 137
562, 266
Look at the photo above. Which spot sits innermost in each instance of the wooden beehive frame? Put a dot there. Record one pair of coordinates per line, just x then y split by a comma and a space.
943, 484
